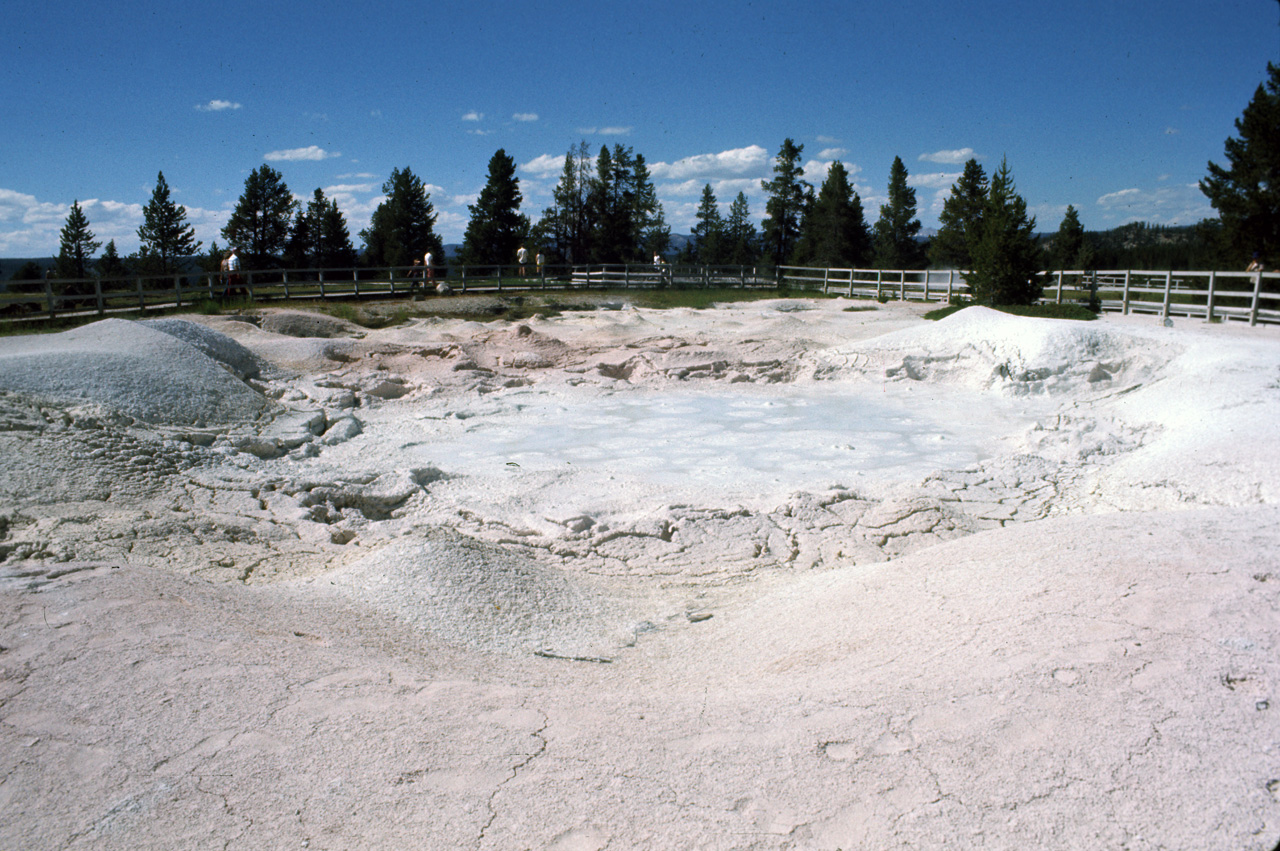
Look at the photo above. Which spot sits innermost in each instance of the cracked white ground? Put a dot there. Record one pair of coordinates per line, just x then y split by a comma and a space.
773, 575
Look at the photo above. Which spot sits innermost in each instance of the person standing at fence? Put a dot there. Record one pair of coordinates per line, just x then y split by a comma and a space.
233, 266
428, 269
539, 261
1255, 265
226, 273
522, 257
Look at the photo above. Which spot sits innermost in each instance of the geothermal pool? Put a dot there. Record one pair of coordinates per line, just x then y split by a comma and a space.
742, 440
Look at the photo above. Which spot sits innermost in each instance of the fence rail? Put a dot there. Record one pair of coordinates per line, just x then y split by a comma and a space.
1246, 296
50, 298
1253, 297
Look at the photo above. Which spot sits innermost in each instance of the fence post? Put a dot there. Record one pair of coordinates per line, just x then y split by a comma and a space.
177, 290
879, 277
951, 279
142, 304
1213, 276
926, 284
97, 294
322, 294
464, 279
285, 281
1257, 289
48, 297
1125, 297
902, 285
1059, 301
1168, 284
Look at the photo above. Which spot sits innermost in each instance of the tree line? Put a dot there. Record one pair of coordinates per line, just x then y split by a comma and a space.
605, 210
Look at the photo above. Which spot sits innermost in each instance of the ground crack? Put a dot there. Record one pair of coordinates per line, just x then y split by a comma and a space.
515, 771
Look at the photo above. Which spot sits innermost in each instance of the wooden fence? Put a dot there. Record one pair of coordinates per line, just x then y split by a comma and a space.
1253, 297
1247, 296
52, 298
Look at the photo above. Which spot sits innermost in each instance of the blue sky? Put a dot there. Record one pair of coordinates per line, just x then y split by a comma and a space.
1113, 106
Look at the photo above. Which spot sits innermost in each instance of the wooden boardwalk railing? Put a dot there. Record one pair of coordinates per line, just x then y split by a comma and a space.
1253, 297
1247, 296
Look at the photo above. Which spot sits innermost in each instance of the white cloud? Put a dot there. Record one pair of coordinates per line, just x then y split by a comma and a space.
361, 175
1168, 204
465, 200
473, 116
832, 153
525, 116
936, 180
1122, 198
724, 190
479, 132
828, 140
31, 228
604, 131
309, 153
217, 106
451, 226
815, 171
948, 157
546, 165
705, 167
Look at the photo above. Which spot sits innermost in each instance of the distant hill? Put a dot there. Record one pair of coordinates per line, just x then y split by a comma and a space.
9, 265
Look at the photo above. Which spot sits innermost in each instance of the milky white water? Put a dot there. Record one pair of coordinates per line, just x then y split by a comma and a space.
737, 440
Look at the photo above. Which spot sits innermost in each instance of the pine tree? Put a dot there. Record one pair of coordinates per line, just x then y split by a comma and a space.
802, 254
165, 235
319, 238
785, 204
1006, 256
709, 230
211, 260
613, 199
259, 225
650, 233
335, 248
1071, 249
76, 251
496, 229
838, 232
29, 271
110, 266
402, 228
1247, 194
961, 219
896, 230
740, 233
